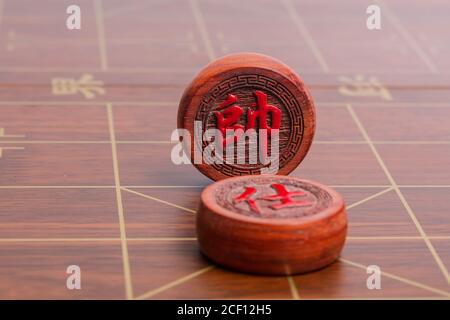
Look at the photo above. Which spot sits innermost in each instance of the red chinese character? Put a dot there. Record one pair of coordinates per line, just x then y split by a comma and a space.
286, 198
245, 196
263, 109
228, 119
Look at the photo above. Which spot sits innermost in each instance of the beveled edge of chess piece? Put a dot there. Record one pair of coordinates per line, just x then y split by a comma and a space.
236, 63
272, 246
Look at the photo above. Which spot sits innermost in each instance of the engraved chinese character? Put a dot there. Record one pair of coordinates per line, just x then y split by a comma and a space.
86, 85
285, 198
229, 118
263, 109
245, 196
360, 86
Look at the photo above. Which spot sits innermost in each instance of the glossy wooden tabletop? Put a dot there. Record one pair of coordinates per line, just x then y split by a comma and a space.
86, 116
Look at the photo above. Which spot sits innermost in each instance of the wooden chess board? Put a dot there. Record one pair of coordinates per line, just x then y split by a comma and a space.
86, 117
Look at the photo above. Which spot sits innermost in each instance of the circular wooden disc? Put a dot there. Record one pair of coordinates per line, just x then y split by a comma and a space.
249, 91
271, 224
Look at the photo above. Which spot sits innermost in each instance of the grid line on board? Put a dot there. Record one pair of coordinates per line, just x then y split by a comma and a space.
122, 229
159, 200
409, 210
398, 278
174, 283
407, 36
201, 26
115, 162
297, 21
293, 288
291, 283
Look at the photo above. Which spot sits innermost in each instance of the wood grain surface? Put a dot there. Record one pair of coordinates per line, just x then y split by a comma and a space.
85, 123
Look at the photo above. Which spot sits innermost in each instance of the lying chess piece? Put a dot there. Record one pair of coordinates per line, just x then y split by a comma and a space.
271, 224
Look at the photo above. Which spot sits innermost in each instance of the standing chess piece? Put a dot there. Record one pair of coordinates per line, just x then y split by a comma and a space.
254, 104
